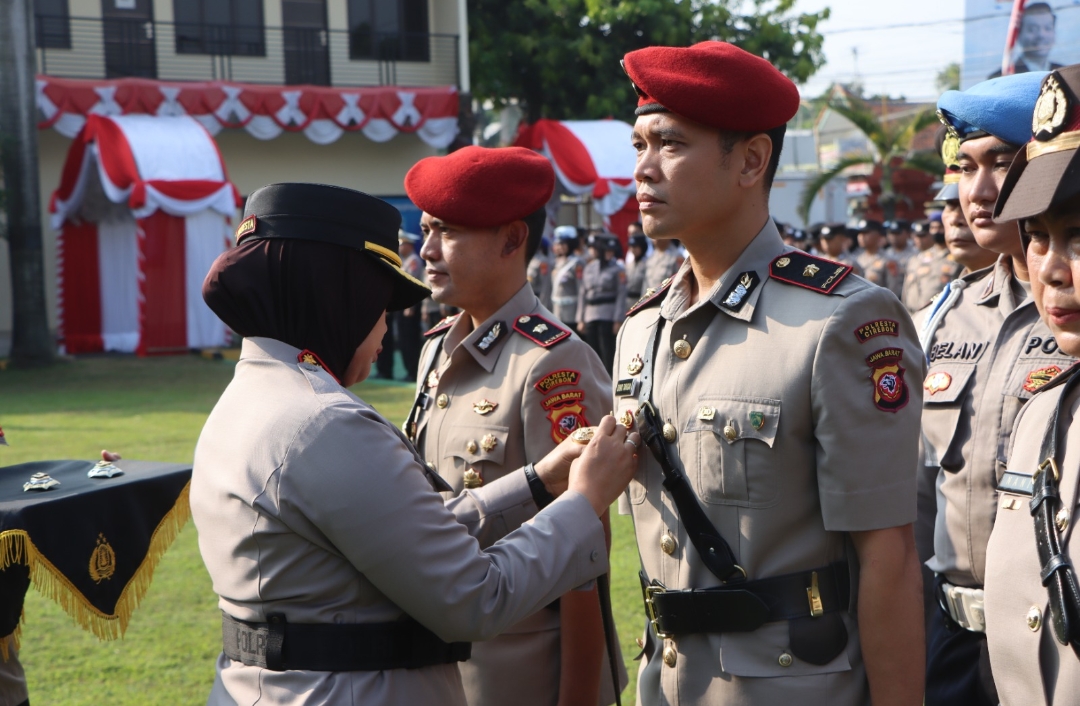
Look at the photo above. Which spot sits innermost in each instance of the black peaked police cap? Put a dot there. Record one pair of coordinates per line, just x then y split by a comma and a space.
333, 214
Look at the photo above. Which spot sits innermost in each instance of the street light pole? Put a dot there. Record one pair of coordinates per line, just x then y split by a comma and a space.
31, 343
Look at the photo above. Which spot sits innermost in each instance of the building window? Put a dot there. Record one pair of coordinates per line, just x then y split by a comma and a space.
51, 24
389, 30
220, 27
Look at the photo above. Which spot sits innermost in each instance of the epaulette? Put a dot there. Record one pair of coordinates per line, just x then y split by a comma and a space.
814, 273
1060, 378
540, 331
651, 297
441, 326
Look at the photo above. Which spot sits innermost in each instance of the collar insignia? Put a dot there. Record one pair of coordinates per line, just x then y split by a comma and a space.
491, 337
736, 296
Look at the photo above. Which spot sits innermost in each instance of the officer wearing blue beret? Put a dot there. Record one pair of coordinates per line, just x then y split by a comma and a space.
988, 352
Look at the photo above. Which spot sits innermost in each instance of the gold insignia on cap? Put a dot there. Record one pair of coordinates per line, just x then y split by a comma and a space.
810, 270
783, 262
489, 442
950, 150
1050, 110
102, 560
484, 407
636, 364
472, 479
948, 126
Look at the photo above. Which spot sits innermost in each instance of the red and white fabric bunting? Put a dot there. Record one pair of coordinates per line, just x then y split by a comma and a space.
323, 114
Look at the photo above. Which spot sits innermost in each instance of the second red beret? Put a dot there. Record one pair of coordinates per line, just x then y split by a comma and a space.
481, 187
713, 83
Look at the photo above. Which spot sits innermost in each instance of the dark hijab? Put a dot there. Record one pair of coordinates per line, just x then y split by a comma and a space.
313, 295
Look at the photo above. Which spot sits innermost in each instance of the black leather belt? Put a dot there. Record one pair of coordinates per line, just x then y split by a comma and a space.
278, 645
746, 606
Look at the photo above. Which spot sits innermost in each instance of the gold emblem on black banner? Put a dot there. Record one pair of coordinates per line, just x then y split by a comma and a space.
102, 561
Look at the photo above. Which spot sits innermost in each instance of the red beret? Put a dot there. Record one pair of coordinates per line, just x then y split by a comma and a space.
712, 83
480, 187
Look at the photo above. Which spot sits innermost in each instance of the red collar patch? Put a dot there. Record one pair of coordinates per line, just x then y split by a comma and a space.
441, 326
651, 297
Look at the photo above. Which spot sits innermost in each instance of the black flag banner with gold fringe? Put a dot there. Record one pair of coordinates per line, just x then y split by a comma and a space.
90, 544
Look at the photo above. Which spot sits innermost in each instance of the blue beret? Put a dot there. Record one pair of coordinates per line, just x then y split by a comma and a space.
1001, 107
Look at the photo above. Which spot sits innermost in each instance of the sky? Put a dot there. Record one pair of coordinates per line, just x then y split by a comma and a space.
890, 60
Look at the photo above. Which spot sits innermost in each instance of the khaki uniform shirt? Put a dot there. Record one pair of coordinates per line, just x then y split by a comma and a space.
903, 257
602, 294
539, 275
635, 280
817, 453
309, 503
881, 269
565, 279
926, 275
506, 405
660, 265
988, 356
1031, 668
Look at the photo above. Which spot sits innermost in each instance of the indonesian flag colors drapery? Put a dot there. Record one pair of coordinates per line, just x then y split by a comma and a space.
323, 114
143, 208
592, 157
1008, 59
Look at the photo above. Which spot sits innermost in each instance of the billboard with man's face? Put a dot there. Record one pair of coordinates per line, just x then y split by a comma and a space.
1049, 37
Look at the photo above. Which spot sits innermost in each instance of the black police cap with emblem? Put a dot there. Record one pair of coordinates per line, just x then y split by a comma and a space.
333, 214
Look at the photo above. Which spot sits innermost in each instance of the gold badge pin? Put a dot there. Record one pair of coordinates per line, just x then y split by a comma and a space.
669, 432
636, 365
472, 479
471, 446
810, 270
706, 414
682, 349
729, 432
102, 560
489, 442
627, 419
783, 262
442, 401
433, 378
484, 407
582, 435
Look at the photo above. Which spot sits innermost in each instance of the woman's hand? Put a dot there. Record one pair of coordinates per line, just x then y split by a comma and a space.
605, 467
110, 456
554, 469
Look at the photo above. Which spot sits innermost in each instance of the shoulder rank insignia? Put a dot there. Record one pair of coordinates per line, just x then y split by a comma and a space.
809, 272
651, 297
308, 357
540, 331
441, 326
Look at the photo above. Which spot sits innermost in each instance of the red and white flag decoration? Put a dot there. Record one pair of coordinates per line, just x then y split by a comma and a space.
1008, 60
323, 114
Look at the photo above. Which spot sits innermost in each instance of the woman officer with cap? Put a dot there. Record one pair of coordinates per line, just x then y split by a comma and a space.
1031, 598
342, 577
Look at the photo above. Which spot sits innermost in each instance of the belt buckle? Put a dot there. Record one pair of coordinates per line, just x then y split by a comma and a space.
653, 589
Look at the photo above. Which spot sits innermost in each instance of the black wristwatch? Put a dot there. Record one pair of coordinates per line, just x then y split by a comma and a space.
539, 491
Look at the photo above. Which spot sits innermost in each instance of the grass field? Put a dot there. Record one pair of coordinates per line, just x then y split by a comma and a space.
154, 409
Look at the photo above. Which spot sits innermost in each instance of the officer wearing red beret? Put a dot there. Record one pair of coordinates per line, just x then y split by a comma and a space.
499, 385
779, 396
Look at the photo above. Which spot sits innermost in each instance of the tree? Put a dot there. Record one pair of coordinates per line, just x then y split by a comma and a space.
560, 58
891, 140
948, 79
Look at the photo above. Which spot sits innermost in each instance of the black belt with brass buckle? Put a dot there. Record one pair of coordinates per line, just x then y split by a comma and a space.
278, 645
746, 606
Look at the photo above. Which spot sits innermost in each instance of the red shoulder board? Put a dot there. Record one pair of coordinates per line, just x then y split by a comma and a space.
540, 331
650, 298
310, 357
814, 273
441, 326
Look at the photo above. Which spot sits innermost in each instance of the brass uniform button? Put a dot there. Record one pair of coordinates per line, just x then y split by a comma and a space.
1061, 519
442, 400
667, 543
472, 479
640, 642
682, 349
471, 447
669, 432
1034, 618
785, 659
729, 433
670, 656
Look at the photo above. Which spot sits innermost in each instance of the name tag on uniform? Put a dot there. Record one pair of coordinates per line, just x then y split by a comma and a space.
424, 399
1019, 483
627, 388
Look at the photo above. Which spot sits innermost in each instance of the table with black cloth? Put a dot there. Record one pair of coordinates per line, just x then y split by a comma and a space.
90, 544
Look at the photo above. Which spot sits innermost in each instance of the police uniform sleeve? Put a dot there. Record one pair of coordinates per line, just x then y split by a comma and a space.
866, 395
350, 481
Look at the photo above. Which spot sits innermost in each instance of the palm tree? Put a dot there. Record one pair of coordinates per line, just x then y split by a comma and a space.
891, 140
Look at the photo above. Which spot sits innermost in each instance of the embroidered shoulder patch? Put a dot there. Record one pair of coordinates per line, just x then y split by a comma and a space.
890, 390
1037, 379
737, 294
565, 417
560, 377
441, 326
540, 331
878, 327
809, 272
651, 297
561, 399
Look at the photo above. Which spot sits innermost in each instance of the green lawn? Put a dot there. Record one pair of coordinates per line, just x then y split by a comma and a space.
154, 409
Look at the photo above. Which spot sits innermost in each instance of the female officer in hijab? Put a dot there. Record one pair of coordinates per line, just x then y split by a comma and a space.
342, 577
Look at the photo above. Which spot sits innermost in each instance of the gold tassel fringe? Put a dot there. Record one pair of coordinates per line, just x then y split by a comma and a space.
17, 548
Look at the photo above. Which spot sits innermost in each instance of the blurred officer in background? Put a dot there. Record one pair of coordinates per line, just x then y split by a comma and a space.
878, 265
832, 244
602, 297
566, 275
664, 262
408, 322
899, 237
635, 268
539, 273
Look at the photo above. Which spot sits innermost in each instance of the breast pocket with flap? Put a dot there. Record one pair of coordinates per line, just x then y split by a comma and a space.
479, 447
